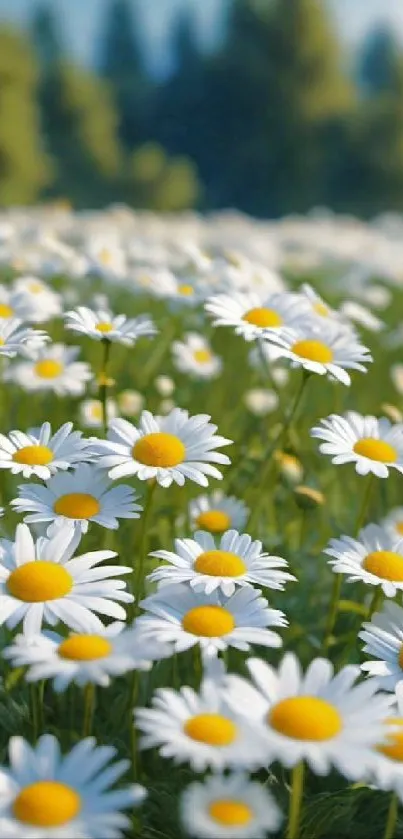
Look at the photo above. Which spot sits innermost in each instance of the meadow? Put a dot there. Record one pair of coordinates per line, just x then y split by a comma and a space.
201, 555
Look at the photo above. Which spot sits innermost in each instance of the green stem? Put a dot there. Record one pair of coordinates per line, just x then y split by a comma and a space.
376, 601
34, 711
297, 787
89, 701
391, 821
365, 504
103, 387
134, 694
332, 613
142, 552
266, 368
278, 442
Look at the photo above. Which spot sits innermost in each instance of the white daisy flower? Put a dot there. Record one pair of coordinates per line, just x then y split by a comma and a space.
77, 497
229, 807
328, 350
217, 512
250, 316
375, 558
92, 412
83, 658
52, 368
383, 638
169, 449
237, 561
318, 307
176, 614
36, 300
38, 452
260, 401
374, 445
357, 313
47, 795
194, 355
102, 325
130, 402
319, 717
164, 385
16, 339
387, 768
43, 582
200, 729
393, 522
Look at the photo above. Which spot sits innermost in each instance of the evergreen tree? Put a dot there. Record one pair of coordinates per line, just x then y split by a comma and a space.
120, 64
80, 122
380, 64
45, 36
24, 166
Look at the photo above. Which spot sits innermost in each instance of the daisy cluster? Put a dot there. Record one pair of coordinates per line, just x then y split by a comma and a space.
141, 603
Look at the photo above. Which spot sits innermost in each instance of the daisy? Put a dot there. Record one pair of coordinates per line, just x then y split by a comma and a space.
181, 616
200, 729
83, 658
229, 807
383, 638
52, 368
250, 316
130, 402
387, 768
237, 561
195, 356
260, 401
318, 307
47, 795
328, 350
15, 338
102, 325
375, 558
393, 522
36, 300
217, 512
357, 313
77, 497
43, 582
169, 449
374, 445
92, 412
38, 452
319, 717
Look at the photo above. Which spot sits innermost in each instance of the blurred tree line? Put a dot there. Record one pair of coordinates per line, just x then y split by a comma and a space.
270, 123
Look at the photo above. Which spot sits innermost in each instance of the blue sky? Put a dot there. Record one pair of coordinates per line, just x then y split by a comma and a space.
81, 20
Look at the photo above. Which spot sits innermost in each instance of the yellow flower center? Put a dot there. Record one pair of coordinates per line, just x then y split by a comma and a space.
105, 256
35, 288
2, 342
97, 411
263, 317
208, 621
375, 450
202, 356
230, 813
46, 804
77, 505
313, 351
186, 290
399, 527
48, 368
85, 647
104, 326
394, 748
5, 311
220, 564
159, 449
33, 455
305, 718
321, 309
212, 729
387, 565
36, 582
216, 521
